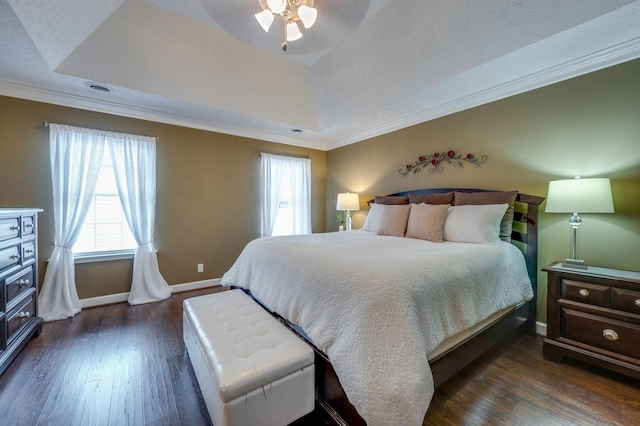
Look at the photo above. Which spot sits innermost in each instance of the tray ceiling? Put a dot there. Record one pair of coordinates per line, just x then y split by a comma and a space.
365, 68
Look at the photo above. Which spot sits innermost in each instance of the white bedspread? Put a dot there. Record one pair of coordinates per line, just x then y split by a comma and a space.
377, 305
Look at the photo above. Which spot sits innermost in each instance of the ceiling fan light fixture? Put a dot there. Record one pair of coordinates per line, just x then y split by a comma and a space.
277, 6
307, 15
290, 12
293, 32
265, 19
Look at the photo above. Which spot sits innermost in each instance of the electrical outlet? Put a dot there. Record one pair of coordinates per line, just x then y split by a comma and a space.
200, 267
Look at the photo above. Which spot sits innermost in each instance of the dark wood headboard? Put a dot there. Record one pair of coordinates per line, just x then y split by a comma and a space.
524, 234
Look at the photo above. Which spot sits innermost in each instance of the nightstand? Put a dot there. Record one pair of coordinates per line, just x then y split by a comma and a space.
594, 315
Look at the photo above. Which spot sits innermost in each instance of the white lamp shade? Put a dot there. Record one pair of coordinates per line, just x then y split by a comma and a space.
293, 32
265, 19
348, 201
277, 6
307, 15
580, 196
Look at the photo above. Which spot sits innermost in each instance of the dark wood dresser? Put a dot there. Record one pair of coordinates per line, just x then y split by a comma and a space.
594, 315
19, 320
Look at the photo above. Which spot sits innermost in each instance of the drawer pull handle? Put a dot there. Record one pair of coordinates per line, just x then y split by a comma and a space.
584, 292
29, 251
23, 283
15, 228
637, 302
24, 315
15, 257
28, 225
610, 335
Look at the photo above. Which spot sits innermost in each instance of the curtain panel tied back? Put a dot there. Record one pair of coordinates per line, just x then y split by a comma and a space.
76, 158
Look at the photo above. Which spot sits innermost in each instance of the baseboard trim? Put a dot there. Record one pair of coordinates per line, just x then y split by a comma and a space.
110, 299
541, 329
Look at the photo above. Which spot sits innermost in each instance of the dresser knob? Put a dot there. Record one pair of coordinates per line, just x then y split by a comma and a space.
23, 283
29, 251
25, 315
638, 303
15, 257
15, 228
610, 335
584, 292
28, 225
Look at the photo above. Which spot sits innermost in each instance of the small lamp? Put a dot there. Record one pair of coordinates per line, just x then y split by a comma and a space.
578, 195
349, 202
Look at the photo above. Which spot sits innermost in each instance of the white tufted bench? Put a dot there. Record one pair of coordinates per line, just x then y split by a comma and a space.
250, 368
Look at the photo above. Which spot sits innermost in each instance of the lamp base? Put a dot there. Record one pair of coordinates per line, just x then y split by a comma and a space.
574, 263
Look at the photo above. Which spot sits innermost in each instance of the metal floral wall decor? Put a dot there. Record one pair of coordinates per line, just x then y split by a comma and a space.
433, 162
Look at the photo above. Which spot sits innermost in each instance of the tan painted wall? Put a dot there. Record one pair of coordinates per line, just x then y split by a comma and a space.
207, 191
588, 126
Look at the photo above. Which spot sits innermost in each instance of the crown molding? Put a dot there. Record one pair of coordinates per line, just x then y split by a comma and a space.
605, 58
589, 63
38, 94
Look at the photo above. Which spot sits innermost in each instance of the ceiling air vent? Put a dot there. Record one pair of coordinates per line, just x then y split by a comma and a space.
98, 87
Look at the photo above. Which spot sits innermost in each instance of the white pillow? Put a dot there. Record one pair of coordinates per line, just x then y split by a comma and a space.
372, 222
474, 223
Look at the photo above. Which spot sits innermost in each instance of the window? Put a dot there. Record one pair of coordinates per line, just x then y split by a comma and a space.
286, 195
105, 228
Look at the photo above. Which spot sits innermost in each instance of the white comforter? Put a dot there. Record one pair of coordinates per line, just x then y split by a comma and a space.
377, 305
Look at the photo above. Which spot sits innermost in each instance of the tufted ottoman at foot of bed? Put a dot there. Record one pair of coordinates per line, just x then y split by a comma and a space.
250, 368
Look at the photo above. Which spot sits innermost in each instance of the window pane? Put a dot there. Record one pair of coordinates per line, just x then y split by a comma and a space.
105, 227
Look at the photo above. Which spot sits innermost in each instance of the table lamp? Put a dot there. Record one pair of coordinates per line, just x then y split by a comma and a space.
578, 195
348, 202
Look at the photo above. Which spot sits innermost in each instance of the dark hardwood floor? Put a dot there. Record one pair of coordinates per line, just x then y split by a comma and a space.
126, 365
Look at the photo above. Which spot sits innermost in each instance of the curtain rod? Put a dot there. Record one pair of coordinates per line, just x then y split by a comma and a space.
46, 124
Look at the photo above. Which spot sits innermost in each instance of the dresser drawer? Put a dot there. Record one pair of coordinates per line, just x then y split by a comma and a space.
9, 256
606, 333
626, 300
589, 293
28, 250
28, 225
9, 228
19, 317
19, 283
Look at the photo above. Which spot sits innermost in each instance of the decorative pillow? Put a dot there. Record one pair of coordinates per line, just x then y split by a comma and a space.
392, 199
372, 222
426, 221
446, 198
474, 224
394, 220
477, 198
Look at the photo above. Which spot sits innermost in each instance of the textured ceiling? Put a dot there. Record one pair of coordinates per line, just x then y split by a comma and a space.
365, 68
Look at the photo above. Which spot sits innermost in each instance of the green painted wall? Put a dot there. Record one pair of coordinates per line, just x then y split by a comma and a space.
207, 204
587, 126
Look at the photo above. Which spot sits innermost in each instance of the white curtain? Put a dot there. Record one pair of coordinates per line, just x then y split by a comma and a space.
76, 159
134, 164
293, 173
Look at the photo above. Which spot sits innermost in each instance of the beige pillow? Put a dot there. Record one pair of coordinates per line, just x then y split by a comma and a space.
394, 220
479, 198
426, 221
446, 198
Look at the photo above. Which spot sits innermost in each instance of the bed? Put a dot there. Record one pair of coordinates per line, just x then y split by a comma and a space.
391, 317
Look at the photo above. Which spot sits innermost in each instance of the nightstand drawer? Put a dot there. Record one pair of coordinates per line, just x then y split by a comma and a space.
606, 333
589, 293
626, 300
